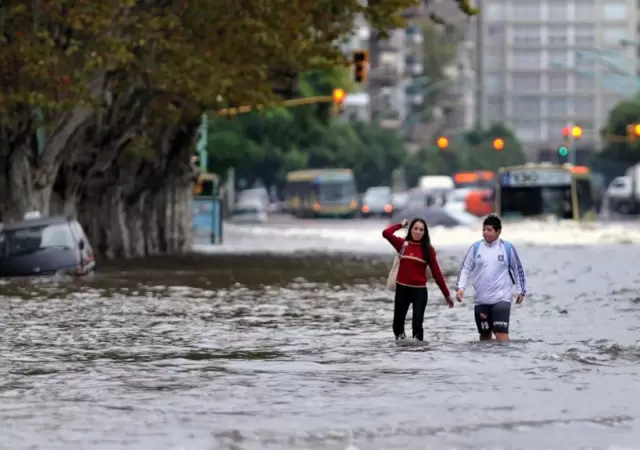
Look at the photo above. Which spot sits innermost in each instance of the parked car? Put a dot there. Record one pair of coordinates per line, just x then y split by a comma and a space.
55, 245
249, 212
376, 202
399, 200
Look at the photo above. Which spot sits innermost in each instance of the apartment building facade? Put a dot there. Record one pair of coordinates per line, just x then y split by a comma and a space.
395, 85
549, 64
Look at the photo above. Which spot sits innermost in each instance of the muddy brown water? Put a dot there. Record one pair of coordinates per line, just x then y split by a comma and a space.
295, 351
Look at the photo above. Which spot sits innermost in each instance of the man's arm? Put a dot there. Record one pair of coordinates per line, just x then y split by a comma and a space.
467, 266
518, 272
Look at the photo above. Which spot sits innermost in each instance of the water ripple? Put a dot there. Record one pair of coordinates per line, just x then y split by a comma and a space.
299, 355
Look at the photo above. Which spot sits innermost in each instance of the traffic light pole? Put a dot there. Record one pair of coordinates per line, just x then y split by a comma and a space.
572, 150
292, 102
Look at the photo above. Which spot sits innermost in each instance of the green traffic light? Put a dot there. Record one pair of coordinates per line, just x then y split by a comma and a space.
564, 151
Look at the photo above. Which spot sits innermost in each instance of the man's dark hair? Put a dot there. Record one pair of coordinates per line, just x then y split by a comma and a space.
493, 221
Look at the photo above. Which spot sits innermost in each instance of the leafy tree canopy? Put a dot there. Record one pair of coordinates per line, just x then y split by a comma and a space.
188, 54
619, 149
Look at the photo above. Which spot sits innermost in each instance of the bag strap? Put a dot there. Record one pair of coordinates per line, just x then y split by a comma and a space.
404, 245
476, 246
507, 249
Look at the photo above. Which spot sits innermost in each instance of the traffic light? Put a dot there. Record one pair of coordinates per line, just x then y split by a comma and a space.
360, 61
563, 150
633, 132
339, 95
442, 142
576, 132
498, 144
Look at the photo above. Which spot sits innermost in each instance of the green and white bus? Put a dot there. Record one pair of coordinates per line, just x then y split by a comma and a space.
322, 193
545, 189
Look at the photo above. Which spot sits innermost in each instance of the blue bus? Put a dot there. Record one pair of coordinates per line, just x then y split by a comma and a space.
322, 193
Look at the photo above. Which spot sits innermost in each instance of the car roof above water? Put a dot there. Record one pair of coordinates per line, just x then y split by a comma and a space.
44, 221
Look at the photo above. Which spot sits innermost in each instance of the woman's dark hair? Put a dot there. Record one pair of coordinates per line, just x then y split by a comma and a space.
425, 242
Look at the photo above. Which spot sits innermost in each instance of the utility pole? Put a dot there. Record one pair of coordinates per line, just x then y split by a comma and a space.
479, 103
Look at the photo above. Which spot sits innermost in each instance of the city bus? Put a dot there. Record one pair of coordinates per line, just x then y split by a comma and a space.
483, 179
322, 193
544, 189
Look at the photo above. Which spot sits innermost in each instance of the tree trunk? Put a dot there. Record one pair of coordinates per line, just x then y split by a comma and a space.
141, 207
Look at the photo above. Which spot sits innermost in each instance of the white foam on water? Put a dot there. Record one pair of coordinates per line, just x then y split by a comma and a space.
367, 236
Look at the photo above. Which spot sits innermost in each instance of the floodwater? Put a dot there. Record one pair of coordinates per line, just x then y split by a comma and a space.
294, 350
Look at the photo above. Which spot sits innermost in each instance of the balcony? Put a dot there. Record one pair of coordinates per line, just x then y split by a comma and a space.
414, 69
413, 65
394, 44
414, 12
385, 75
390, 119
413, 36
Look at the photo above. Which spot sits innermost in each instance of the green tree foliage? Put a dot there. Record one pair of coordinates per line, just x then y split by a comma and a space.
189, 53
267, 145
618, 149
472, 150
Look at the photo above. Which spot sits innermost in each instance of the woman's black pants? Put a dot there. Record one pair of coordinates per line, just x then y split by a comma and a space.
405, 296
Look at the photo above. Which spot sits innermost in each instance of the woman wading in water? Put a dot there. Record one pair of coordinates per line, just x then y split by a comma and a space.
416, 255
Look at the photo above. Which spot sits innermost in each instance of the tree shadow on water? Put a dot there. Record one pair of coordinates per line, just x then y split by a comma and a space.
168, 274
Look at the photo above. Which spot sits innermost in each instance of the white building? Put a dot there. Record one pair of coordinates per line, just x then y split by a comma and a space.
530, 53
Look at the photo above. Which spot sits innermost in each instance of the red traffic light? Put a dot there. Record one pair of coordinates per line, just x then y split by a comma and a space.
566, 131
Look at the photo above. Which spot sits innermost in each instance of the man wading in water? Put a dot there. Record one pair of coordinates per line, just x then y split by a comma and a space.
416, 254
492, 264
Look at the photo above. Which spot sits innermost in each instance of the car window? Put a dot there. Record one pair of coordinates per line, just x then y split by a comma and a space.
25, 240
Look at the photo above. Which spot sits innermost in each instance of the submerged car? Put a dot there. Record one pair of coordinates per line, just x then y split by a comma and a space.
36, 246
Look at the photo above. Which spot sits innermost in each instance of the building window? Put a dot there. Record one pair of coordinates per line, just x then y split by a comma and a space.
525, 81
526, 59
558, 57
585, 11
494, 60
527, 34
615, 11
584, 106
558, 82
495, 33
495, 82
390, 58
558, 106
494, 11
584, 83
557, 35
558, 11
585, 34
554, 127
495, 108
585, 59
526, 106
526, 11
613, 35
527, 130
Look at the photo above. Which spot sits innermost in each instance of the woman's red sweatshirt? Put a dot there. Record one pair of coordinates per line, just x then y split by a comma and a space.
413, 266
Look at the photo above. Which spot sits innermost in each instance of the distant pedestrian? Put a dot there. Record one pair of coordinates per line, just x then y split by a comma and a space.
416, 257
494, 266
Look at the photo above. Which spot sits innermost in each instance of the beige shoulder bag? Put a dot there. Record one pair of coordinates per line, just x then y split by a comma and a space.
393, 273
